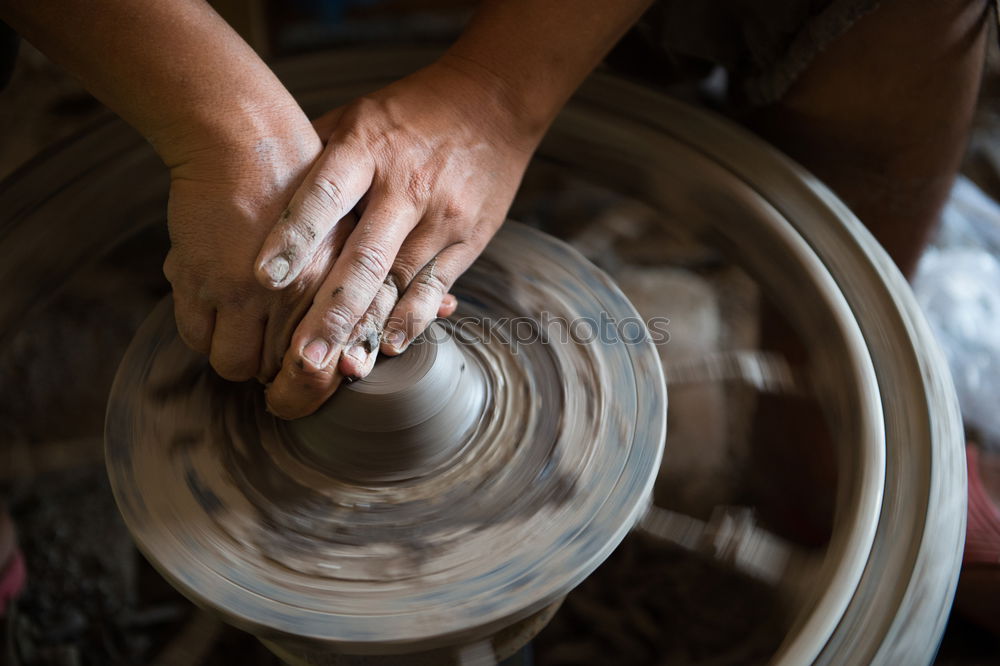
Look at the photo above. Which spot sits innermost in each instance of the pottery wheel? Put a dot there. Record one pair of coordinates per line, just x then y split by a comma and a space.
463, 486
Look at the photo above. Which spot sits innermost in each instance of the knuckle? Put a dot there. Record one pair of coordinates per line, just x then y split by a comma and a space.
353, 128
236, 293
328, 193
400, 275
361, 108
453, 210
429, 286
338, 323
432, 278
194, 340
371, 263
235, 370
419, 185
301, 232
194, 336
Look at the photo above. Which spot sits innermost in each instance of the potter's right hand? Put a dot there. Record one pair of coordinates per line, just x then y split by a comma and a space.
224, 200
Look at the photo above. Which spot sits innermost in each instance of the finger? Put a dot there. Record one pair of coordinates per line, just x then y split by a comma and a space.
420, 248
300, 388
359, 357
332, 189
309, 372
287, 312
195, 319
422, 300
361, 352
194, 324
236, 345
448, 306
327, 123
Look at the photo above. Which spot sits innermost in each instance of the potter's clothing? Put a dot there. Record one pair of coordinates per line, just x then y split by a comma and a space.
764, 44
8, 53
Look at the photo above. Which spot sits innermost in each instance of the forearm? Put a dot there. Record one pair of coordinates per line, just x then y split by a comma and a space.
172, 69
539, 51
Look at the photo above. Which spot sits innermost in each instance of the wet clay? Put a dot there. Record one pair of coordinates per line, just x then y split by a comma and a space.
411, 415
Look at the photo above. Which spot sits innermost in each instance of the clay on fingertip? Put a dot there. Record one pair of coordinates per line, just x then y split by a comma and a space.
277, 269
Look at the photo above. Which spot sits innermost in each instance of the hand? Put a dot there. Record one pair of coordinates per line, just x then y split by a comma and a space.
432, 163
223, 202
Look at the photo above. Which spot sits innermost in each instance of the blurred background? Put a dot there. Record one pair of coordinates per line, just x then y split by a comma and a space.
93, 599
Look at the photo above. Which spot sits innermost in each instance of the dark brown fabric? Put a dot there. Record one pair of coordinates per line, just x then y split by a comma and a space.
765, 44
9, 42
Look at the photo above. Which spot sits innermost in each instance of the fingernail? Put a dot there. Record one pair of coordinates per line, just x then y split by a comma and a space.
358, 353
315, 352
277, 269
395, 339
450, 300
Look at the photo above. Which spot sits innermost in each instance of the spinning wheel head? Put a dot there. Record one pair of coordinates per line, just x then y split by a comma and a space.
461, 489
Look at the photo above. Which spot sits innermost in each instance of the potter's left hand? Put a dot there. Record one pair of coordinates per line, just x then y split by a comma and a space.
431, 163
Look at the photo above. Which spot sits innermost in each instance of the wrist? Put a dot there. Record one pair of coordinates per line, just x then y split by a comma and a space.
517, 113
537, 53
235, 130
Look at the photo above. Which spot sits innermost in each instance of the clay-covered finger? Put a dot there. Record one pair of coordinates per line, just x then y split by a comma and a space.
359, 357
423, 298
287, 312
360, 354
339, 179
309, 372
301, 387
236, 344
420, 248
